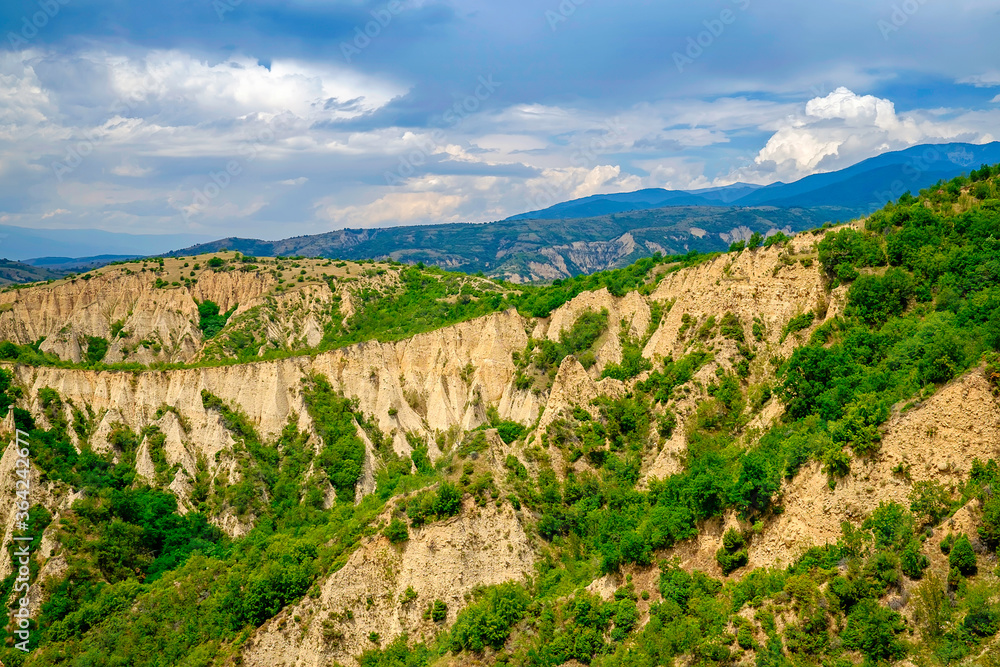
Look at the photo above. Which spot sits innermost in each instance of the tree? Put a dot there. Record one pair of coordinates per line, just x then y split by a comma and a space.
396, 531
841, 252
874, 299
933, 608
732, 555
859, 427
757, 483
872, 629
962, 557
448, 500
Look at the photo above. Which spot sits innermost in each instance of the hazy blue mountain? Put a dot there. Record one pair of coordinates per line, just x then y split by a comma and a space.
620, 203
854, 191
868, 185
726, 194
21, 243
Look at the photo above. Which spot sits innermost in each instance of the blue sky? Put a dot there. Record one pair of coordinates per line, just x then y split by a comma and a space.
271, 119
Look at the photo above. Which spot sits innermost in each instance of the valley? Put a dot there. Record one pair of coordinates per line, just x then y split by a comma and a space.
783, 454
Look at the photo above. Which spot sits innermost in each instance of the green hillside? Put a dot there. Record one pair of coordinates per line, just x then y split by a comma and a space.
12, 273
146, 586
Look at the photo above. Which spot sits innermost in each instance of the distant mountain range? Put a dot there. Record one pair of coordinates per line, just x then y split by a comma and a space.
22, 243
855, 191
607, 231
638, 201
579, 236
531, 250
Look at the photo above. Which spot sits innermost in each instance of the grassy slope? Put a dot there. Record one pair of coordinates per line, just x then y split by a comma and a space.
12, 272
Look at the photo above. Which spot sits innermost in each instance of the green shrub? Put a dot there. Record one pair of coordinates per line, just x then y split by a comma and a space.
962, 557
489, 620
841, 252
932, 501
211, 321
97, 349
875, 299
396, 531
872, 629
732, 555
509, 431
798, 323
912, 561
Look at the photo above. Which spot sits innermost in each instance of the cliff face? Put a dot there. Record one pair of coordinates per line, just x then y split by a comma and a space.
148, 312
772, 285
430, 369
445, 561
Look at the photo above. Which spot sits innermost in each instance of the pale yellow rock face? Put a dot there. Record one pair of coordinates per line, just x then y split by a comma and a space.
938, 439
162, 323
443, 561
270, 393
748, 284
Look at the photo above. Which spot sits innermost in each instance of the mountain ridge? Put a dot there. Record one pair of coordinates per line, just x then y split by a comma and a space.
623, 227
891, 174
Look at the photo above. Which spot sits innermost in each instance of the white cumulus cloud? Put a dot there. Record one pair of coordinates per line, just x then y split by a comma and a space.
843, 128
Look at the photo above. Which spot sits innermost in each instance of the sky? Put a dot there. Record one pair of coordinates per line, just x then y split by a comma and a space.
270, 119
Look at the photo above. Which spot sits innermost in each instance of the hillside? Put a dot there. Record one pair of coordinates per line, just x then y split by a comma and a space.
18, 272
533, 250
780, 455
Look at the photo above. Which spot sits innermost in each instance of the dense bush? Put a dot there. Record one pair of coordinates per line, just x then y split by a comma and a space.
434, 505
211, 321
876, 298
343, 454
962, 557
489, 620
842, 253
396, 531
732, 555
